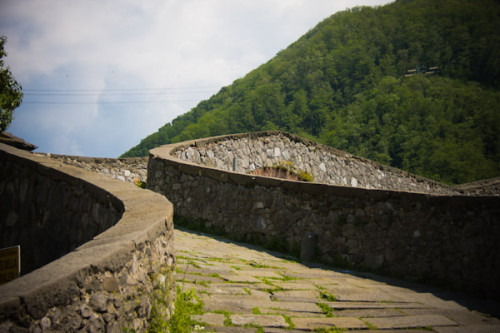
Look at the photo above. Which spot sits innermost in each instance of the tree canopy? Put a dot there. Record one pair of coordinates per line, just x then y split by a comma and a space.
10, 91
413, 84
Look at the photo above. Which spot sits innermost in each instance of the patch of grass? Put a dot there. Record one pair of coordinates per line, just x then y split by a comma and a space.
227, 315
288, 320
273, 290
180, 271
164, 317
256, 311
215, 275
192, 263
326, 309
201, 283
370, 326
329, 297
257, 265
258, 327
236, 267
329, 330
248, 291
289, 278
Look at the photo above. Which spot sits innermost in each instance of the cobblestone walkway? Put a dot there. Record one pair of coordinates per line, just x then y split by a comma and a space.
245, 289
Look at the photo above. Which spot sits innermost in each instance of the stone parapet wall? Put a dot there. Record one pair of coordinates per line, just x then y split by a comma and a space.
124, 169
123, 235
37, 206
482, 187
327, 165
447, 238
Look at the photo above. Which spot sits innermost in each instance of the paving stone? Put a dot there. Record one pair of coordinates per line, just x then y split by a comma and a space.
239, 278
284, 330
417, 330
212, 319
190, 269
468, 329
233, 329
260, 273
366, 313
193, 277
312, 323
298, 307
296, 285
236, 289
289, 313
461, 317
261, 320
410, 321
375, 305
389, 304
186, 286
235, 303
309, 296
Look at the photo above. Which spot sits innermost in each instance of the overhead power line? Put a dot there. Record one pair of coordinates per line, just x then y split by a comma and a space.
70, 96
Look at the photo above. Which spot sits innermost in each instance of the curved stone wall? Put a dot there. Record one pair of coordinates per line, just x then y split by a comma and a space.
448, 238
94, 244
326, 164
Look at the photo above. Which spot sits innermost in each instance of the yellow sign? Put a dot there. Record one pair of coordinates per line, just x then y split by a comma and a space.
10, 263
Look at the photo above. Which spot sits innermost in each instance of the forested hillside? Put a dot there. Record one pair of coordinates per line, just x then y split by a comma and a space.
345, 84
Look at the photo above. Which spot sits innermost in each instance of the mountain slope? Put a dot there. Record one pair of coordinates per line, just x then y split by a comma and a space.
343, 83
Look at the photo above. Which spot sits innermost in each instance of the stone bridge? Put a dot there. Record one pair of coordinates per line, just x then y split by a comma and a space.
356, 213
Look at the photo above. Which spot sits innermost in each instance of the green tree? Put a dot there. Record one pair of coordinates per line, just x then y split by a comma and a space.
10, 90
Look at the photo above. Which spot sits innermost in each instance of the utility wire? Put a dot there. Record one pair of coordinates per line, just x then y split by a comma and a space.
160, 92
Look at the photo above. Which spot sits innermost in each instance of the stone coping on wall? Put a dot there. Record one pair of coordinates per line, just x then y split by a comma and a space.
171, 151
128, 169
145, 216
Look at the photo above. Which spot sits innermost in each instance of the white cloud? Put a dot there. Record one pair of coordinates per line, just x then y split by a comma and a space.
101, 45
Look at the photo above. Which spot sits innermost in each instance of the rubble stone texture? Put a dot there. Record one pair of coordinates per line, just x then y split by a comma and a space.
448, 238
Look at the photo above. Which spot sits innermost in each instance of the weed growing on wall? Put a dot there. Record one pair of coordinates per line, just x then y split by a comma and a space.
168, 315
139, 183
285, 170
186, 305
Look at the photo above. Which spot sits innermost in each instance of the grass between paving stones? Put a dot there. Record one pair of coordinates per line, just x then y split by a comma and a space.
288, 320
274, 288
227, 321
177, 318
258, 327
196, 282
329, 330
370, 326
327, 310
256, 311
328, 296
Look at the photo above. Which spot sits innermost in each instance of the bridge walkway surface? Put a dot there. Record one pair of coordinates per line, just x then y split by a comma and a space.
247, 289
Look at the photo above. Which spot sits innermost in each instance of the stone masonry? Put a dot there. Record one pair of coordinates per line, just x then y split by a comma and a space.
326, 164
124, 248
447, 238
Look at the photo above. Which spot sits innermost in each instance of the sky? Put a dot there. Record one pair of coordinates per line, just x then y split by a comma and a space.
99, 76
